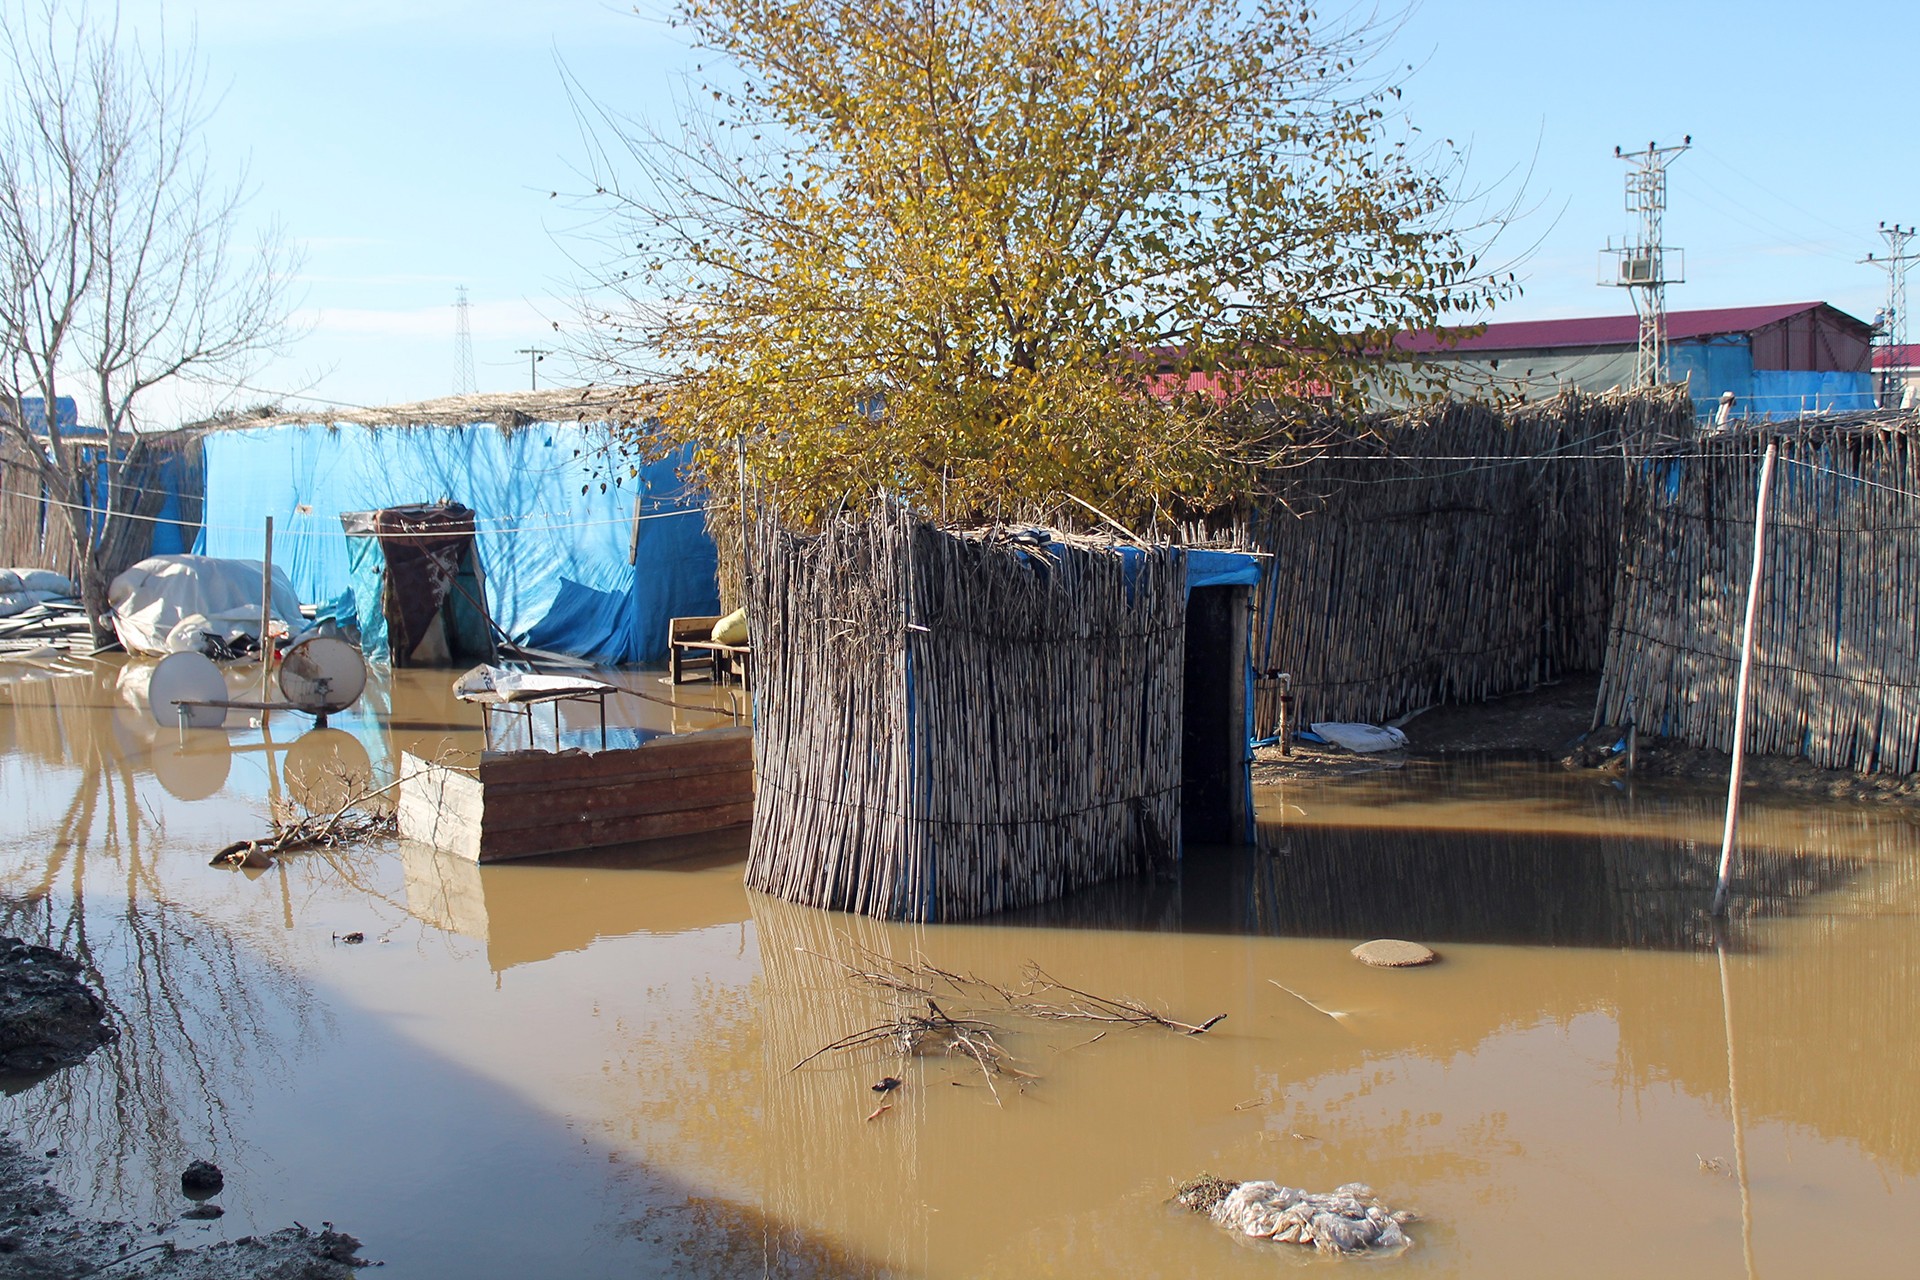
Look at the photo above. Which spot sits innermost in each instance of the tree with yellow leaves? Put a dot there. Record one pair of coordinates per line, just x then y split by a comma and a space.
986, 258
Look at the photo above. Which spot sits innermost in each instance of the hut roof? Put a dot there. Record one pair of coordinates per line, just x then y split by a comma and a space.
505, 409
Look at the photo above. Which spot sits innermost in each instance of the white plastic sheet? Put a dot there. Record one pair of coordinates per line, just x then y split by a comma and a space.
165, 603
1364, 738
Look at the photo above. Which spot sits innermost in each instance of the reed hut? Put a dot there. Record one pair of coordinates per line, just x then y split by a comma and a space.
1836, 668
1451, 554
951, 724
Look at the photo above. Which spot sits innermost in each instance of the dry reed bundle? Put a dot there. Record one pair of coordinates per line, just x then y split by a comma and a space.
1836, 674
1452, 554
956, 724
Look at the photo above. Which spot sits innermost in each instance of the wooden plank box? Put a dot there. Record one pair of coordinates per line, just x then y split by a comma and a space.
524, 804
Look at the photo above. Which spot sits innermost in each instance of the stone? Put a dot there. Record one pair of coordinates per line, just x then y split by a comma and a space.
1393, 953
201, 1179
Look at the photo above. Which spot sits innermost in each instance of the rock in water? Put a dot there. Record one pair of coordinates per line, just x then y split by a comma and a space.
48, 1017
1348, 1220
201, 1179
1393, 953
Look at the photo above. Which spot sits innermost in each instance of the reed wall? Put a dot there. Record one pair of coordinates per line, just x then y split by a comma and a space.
34, 532
956, 724
1451, 554
1836, 674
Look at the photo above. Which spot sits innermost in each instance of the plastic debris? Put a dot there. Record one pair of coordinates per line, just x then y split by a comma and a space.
1349, 1219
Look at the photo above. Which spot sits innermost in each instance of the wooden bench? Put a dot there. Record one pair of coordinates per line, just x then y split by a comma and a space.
691, 649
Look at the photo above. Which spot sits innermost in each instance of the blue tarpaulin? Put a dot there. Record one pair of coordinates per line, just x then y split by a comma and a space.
555, 504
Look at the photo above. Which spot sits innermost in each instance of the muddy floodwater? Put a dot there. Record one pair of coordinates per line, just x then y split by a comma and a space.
586, 1067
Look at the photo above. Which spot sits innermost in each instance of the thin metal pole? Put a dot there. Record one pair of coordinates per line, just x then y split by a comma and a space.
1746, 669
266, 617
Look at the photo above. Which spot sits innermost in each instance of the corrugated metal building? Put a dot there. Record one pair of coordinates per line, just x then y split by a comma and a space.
1779, 361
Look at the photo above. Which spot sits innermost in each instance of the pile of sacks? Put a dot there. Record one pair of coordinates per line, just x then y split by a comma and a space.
21, 589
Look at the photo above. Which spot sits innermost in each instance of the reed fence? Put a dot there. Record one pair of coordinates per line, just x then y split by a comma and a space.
1836, 671
952, 724
1451, 554
34, 531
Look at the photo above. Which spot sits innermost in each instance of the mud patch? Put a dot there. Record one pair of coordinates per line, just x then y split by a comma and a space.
48, 1017
41, 1237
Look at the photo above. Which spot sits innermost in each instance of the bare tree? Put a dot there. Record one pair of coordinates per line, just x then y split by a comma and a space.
121, 263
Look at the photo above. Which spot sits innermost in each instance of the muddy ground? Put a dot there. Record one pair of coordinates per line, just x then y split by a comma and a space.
1555, 722
50, 1020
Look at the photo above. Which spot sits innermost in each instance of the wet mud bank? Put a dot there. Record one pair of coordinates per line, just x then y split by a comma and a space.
1554, 724
41, 1237
51, 1020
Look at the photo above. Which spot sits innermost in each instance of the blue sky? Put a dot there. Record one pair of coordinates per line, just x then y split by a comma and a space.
412, 146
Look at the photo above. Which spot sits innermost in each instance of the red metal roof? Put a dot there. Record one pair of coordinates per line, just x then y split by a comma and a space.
1611, 331
1897, 357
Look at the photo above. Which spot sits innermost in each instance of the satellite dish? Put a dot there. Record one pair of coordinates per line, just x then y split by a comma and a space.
322, 675
187, 677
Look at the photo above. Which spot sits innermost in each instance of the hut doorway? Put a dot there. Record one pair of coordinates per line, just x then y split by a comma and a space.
420, 596
1214, 782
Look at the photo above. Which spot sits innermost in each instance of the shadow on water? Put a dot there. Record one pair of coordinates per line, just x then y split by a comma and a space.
1478, 856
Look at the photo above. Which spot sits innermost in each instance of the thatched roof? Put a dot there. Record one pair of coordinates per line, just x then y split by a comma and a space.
506, 409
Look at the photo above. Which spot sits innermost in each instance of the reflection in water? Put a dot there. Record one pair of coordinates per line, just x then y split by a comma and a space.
1591, 868
532, 910
200, 1011
1577, 1052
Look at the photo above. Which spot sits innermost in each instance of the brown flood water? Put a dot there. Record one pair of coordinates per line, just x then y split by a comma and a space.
583, 1068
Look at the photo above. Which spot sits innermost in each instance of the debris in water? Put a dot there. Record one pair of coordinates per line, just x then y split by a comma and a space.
1335, 1014
1718, 1164
1348, 1220
353, 939
887, 1085
879, 1111
1393, 953
243, 853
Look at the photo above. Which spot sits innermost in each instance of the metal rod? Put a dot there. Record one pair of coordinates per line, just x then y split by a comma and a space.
1746, 671
266, 617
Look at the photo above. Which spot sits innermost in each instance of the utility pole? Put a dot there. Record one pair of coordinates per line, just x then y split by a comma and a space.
534, 356
463, 384
1643, 267
1892, 327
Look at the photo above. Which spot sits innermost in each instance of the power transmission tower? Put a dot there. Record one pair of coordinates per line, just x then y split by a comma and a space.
463, 384
1646, 267
534, 356
1892, 326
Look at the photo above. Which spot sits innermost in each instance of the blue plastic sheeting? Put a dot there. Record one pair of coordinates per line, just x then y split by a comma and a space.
1222, 569
555, 505
1712, 366
1788, 393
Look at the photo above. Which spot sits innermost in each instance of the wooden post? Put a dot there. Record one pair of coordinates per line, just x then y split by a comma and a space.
266, 619
1740, 690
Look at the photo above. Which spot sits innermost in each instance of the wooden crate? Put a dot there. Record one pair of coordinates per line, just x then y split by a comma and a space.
527, 803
